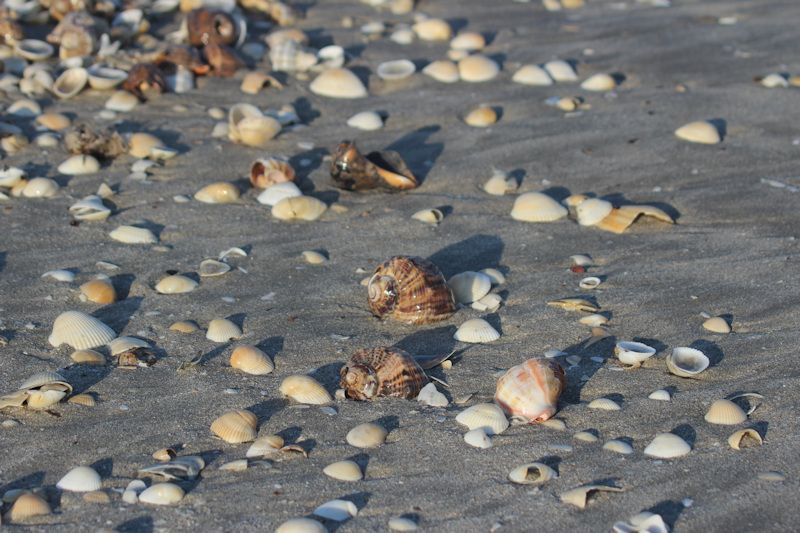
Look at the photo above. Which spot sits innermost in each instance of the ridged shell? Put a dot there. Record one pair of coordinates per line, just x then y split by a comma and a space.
99, 291
80, 479
184, 326
87, 400
236, 426
275, 193
561, 71
532, 75
222, 330
299, 208
366, 435
701, 132
633, 353
532, 474
301, 525
442, 71
80, 331
537, 207
726, 413
270, 171
28, 505
745, 438
78, 165
579, 496
484, 415
375, 372
687, 362
344, 471
410, 290
338, 83
45, 378
606, 404
337, 510
162, 494
251, 360
476, 331
265, 446
489, 303
531, 390
599, 82
477, 438
123, 344
133, 235
477, 68
88, 357
618, 446
469, 286
592, 210
667, 446
176, 284
305, 389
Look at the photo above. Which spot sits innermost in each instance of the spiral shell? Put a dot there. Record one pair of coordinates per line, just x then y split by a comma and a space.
382, 372
531, 390
385, 170
411, 290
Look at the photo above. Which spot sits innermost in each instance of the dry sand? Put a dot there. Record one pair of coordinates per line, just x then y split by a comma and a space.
734, 251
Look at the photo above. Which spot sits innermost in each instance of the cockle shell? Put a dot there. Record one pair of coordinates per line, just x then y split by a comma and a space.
592, 210
725, 412
687, 362
176, 284
299, 208
80, 479
80, 331
267, 172
476, 331
220, 192
121, 345
599, 82
54, 121
257, 131
105, 78
162, 494
236, 426
27, 505
222, 330
701, 132
537, 207
291, 56
430, 396
469, 286
633, 353
275, 193
667, 446
477, 68
52, 379
532, 75
442, 71
338, 83
411, 290
265, 446
532, 474
184, 326
133, 235
99, 291
43, 399
366, 435
370, 373
305, 389
484, 415
531, 390
395, 70
344, 471
251, 360
142, 144
579, 496
605, 404
500, 183
87, 357
745, 438
33, 49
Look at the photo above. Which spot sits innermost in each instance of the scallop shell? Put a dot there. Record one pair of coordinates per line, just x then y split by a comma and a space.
89, 208
220, 192
725, 412
275, 193
531, 390
79, 165
395, 70
579, 496
80, 479
477, 68
222, 330
87, 357
432, 397
70, 82
478, 438
599, 82
27, 505
40, 188
476, 331
80, 331
236, 427
301, 525
429, 216
367, 435
660, 395
606, 404
344, 471
133, 235
469, 287
618, 446
745, 438
484, 415
99, 291
532, 474
537, 207
442, 71
105, 78
561, 71
122, 102
366, 121
162, 494
338, 83
701, 132
176, 284
481, 117
265, 446
687, 362
532, 75
337, 510
299, 208
375, 372
251, 360
305, 389
717, 324
633, 353
667, 446
265, 173
410, 290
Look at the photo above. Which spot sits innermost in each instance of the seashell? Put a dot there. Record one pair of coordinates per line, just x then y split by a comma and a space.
495, 276
337, 510
481, 117
429, 216
122, 102
40, 188
484, 415
400, 523
633, 353
331, 56
366, 121
235, 466
476, 331
105, 78
210, 268
344, 471
265, 173
500, 183
162, 494
618, 446
265, 446
489, 303
686, 362
99, 291
187, 467
97, 496
33, 49
121, 345
80, 479
391, 372
24, 109
353, 171
579, 496
42, 379
236, 427
599, 82
592, 211
80, 331
667, 446
251, 360
774, 80
70, 82
142, 144
772, 475
621, 218
478, 438
589, 283
60, 275
291, 56
537, 207
644, 522
299, 208
745, 438
469, 287
305, 389
469, 41
79, 165
532, 474
531, 390
272, 195
411, 290
89, 208
367, 435
443, 71
661, 395
725, 412
338, 83
313, 257
561, 71
27, 505
43, 399
594, 320
222, 330
532, 75
53, 121
220, 192
184, 326
133, 235
717, 324
606, 404
205, 26
477, 68
164, 454
433, 29
432, 397
301, 525
257, 131
87, 400
87, 357
569, 103
586, 436
701, 131
395, 70
176, 284
11, 176
254, 81
14, 399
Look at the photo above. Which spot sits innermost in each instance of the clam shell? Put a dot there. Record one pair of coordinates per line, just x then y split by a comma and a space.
701, 132
220, 192
176, 284
87, 357
305, 389
257, 131
532, 75
484, 415
164, 454
468, 286
717, 324
133, 235
618, 446
301, 525
99, 291
367, 435
481, 117
592, 210
476, 331
469, 41
561, 71
79, 165
80, 479
400, 523
395, 70
291, 56
337, 510
299, 208
774, 80
532, 474
27, 505
633, 353
54, 121
344, 471
687, 362
489, 303
443, 71
210, 268
265, 446
338, 83
605, 404
667, 446
70, 82
184, 326
313, 257
45, 378
87, 400
366, 121
275, 193
745, 438
495, 276
11, 176
251, 360
89, 208
222, 330
477, 68
80, 331
33, 49
579, 496
124, 344
105, 78
531, 390
43, 399
429, 216
660, 395
253, 82
236, 426
433, 29
644, 522
725, 412
142, 144
499, 184
162, 494
537, 207
586, 436
599, 82
430, 396
66, 276
122, 102
40, 188
478, 438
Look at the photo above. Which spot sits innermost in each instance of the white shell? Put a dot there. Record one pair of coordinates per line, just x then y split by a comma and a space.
338, 83
442, 71
618, 446
644, 522
123, 344
600, 82
717, 324
774, 80
468, 40
433, 29
701, 132
478, 438
133, 235
79, 165
399, 523
10, 176
687, 362
40, 188
274, 194
312, 257
532, 474
469, 286
80, 479
589, 283
532, 75
344, 471
305, 389
122, 102
80, 331
210, 268
660, 395
301, 525
366, 121
265, 446
605, 404
633, 353
33, 49
477, 68
476, 331
222, 330
337, 510
594, 320
484, 415
725, 412
176, 284
430, 396
162, 494
70, 82
593, 210
667, 446
89, 208
489, 303
105, 78
395, 70
60, 275
429, 216
500, 183
561, 71
366, 435
537, 207
586, 436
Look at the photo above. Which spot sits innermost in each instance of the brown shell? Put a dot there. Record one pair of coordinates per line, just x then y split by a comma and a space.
411, 290
143, 77
223, 60
270, 171
370, 373
377, 170
207, 27
182, 56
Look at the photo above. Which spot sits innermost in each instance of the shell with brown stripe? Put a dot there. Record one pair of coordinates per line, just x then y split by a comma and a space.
391, 372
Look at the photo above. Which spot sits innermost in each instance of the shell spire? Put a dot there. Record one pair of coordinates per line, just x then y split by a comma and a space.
531, 390
370, 373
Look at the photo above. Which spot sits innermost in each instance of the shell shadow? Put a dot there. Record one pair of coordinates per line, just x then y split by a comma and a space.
271, 346
209, 456
305, 110
418, 154
141, 524
264, 410
2, 261
122, 285
686, 432
553, 461
313, 160
557, 193
389, 422
290, 434
457, 24
721, 125
669, 510
361, 459
84, 377
437, 341
104, 467
328, 374
711, 349
119, 314
762, 427
603, 348
30, 481
653, 343
474, 253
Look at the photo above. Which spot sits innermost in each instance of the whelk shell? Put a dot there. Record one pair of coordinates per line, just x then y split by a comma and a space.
599, 82
79, 165
387, 372
633, 353
27, 505
299, 208
532, 474
618, 446
667, 446
579, 496
301, 525
220, 192
606, 404
305, 389
745, 438
476, 331
133, 235
469, 286
443, 71
477, 68
478, 438
484, 415
725, 412
80, 331
537, 207
176, 284
337, 510
433, 29
532, 75
352, 170
338, 83
344, 471
222, 330
236, 427
702, 132
162, 494
80, 479
687, 362
99, 291
251, 360
366, 435
531, 390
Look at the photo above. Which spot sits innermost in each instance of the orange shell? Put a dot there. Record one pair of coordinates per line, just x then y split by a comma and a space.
382, 372
531, 390
267, 172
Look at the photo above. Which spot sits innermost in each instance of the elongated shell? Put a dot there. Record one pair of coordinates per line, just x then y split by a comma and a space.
484, 415
305, 389
687, 362
222, 330
301, 525
80, 479
133, 235
532, 474
382, 372
28, 505
726, 413
531, 390
80, 331
411, 290
236, 426
251, 360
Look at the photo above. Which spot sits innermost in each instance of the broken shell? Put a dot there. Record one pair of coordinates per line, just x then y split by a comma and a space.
433, 29
164, 454
594, 320
87, 400
222, 330
606, 404
569, 103
555, 423
484, 415
338, 83
442, 71
301, 525
532, 75
468, 40
27, 505
133, 235
468, 286
745, 438
87, 357
40, 188
366, 121
717, 324
236, 427
344, 471
592, 210
313, 257
687, 362
395, 70
481, 117
477, 68
122, 102
618, 446
305, 389
176, 284
667, 446
561, 71
210, 268
80, 479
633, 353
24, 108
537, 207
254, 81
79, 165
99, 291
184, 326
532, 474
80, 331
725, 412
337, 510
299, 208
265, 446
661, 395
264, 173
531, 390
291, 56
162, 494
53, 380
89, 208
429, 216
476, 331
580, 496
220, 192
70, 82
489, 303
600, 82
496, 277
367, 435
432, 397
702, 132
251, 360
589, 283
500, 183
478, 438
353, 171
644, 522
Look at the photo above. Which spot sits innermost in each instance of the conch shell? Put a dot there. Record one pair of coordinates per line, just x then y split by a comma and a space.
370, 373
530, 391
385, 170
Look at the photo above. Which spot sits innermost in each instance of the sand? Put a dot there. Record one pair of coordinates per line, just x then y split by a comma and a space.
732, 252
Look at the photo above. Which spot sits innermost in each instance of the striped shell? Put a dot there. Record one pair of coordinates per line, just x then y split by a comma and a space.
411, 290
80, 331
236, 426
382, 372
28, 505
531, 390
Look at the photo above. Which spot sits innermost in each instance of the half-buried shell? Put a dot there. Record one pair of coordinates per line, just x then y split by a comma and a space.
236, 426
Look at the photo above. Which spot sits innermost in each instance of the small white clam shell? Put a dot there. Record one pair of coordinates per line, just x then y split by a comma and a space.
337, 510
429, 216
687, 362
66, 276
599, 82
79, 165
301, 525
176, 284
305, 389
123, 344
478, 438
484, 415
344, 471
80, 479
469, 286
162, 494
701, 132
70, 82
774, 80
10, 176
366, 435
476, 331
590, 282
660, 395
532, 474
477, 68
121, 102
561, 71
468, 40
133, 235
366, 121
40, 188
586, 436
399, 523
633, 353
532, 75
442, 71
338, 83
497, 277
537, 207
667, 446
275, 193
395, 70
312, 257
725, 412
222, 330
618, 446
80, 331
606, 404
430, 396
593, 210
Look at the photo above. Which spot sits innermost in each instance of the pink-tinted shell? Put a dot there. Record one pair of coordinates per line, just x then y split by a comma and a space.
531, 390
